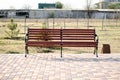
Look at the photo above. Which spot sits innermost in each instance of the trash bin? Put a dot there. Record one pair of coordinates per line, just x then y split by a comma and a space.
106, 49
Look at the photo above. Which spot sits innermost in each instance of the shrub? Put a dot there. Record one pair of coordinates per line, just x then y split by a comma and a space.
51, 15
59, 5
44, 36
12, 31
44, 25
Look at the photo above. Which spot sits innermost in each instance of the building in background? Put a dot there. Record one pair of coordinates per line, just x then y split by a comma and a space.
111, 0
104, 4
58, 13
46, 5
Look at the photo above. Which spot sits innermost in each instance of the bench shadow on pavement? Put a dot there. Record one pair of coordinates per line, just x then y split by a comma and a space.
88, 59
69, 59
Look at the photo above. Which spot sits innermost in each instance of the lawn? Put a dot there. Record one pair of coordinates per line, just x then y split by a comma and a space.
108, 32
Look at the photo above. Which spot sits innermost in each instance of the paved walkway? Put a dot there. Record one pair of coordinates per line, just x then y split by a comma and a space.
52, 67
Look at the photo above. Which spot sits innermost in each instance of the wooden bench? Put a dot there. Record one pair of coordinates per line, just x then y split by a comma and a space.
61, 38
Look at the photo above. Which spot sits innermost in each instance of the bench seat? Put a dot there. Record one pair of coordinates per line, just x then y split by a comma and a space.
61, 38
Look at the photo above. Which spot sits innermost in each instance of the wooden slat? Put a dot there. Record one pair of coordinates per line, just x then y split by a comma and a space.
64, 44
79, 44
43, 30
70, 37
34, 38
43, 44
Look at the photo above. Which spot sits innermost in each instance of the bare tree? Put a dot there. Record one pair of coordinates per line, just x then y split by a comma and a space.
88, 7
103, 20
27, 7
12, 7
116, 7
67, 6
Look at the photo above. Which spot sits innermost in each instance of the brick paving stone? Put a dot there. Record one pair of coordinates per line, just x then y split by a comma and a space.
52, 67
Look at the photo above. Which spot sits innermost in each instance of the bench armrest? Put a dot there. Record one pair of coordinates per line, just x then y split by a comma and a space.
96, 38
26, 38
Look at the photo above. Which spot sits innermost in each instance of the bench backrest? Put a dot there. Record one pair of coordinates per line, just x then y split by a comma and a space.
78, 34
44, 34
61, 34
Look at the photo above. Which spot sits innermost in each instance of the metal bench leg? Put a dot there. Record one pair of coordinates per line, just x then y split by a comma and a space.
96, 52
61, 52
26, 51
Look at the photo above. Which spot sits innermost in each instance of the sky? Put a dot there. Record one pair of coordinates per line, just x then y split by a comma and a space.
19, 4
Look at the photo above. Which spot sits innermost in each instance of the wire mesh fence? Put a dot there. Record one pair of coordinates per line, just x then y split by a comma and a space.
107, 30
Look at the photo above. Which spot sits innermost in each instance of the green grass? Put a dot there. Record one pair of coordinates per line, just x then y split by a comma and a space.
11, 52
109, 35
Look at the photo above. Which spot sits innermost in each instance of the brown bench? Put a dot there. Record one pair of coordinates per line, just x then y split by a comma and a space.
61, 38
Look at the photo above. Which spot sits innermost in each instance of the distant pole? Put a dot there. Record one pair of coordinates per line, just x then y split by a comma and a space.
47, 21
77, 19
64, 20
88, 14
117, 18
102, 22
64, 23
25, 27
53, 22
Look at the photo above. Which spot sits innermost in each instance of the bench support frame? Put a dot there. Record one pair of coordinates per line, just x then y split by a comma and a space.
61, 44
